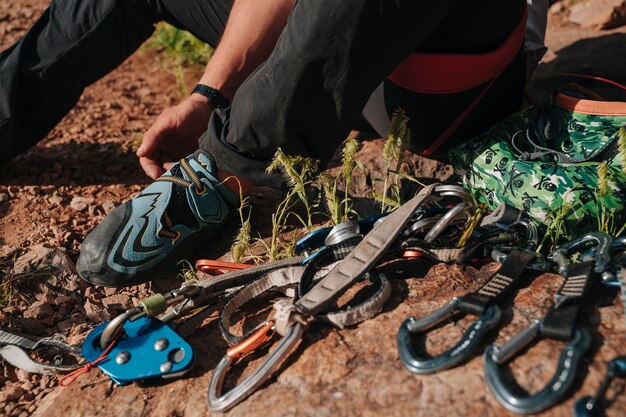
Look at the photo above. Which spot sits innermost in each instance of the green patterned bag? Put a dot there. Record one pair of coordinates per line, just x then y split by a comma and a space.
564, 158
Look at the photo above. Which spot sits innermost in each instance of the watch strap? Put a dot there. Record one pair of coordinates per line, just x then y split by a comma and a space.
213, 94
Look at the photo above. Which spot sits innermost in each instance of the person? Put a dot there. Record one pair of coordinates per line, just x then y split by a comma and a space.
285, 74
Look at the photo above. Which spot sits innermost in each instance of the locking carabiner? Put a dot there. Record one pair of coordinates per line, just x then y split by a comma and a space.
567, 369
592, 406
601, 253
222, 402
458, 353
150, 307
558, 324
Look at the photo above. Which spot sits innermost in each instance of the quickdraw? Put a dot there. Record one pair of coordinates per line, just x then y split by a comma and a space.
616, 368
412, 227
560, 323
482, 303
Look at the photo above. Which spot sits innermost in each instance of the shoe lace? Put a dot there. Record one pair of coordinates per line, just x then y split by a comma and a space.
199, 189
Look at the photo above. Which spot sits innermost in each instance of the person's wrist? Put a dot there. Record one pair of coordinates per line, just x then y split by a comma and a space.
213, 95
204, 102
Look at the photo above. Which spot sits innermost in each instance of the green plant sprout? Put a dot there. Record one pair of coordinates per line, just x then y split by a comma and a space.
299, 172
182, 48
394, 151
187, 271
341, 209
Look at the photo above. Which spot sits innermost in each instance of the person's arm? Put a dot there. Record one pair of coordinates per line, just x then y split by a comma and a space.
250, 35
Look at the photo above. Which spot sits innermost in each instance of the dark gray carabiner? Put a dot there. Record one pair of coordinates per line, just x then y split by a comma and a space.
593, 406
497, 356
499, 254
601, 253
458, 353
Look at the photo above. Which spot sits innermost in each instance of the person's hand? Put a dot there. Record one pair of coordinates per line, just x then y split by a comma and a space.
174, 135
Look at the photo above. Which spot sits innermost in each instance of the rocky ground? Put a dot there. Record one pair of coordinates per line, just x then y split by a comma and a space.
52, 196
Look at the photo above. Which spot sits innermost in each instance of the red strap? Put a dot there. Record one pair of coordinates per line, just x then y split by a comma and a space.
68, 379
211, 267
432, 73
452, 127
595, 78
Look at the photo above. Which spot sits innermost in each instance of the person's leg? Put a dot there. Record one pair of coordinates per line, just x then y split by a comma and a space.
308, 94
304, 98
73, 44
193, 199
243, 47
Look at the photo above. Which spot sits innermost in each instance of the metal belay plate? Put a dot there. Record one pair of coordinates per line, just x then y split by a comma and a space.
148, 351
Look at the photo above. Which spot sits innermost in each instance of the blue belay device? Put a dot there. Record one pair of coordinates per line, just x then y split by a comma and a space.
148, 350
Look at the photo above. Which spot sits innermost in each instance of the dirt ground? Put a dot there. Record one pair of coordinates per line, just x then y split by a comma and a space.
51, 197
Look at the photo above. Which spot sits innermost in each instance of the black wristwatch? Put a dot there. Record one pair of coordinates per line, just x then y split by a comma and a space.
213, 95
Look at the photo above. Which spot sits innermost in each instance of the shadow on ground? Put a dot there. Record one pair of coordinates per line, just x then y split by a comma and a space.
74, 164
603, 56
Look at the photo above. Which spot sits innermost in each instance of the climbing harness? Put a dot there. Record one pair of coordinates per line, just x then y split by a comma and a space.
447, 73
560, 323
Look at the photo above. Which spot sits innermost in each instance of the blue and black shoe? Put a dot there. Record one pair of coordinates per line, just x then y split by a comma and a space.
170, 220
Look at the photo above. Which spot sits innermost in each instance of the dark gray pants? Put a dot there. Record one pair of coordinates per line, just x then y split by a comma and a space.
305, 98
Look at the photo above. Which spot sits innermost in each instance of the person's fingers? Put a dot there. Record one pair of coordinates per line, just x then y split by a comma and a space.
168, 165
151, 167
153, 135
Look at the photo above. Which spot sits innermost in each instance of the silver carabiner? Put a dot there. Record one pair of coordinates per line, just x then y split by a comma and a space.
150, 307
447, 190
224, 402
497, 356
460, 212
499, 254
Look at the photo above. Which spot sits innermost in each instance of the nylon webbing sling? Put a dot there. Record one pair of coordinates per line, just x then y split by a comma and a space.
560, 321
500, 285
13, 350
366, 255
291, 318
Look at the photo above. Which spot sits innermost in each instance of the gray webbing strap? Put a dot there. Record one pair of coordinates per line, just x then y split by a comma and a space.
7, 338
448, 255
232, 279
284, 280
622, 287
366, 255
13, 351
212, 286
